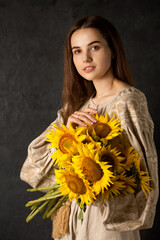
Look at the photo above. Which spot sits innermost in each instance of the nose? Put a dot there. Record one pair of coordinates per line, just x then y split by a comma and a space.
87, 57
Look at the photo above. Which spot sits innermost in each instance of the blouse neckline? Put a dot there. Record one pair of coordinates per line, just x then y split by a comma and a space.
111, 99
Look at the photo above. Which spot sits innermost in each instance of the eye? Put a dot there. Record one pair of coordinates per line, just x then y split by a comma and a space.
76, 51
95, 47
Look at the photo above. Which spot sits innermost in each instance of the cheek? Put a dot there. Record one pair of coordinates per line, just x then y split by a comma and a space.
107, 55
76, 63
106, 60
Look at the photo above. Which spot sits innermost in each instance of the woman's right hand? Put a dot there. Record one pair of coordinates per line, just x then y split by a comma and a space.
79, 117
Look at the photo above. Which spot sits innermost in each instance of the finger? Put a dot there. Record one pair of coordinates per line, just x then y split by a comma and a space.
76, 120
87, 117
91, 110
83, 117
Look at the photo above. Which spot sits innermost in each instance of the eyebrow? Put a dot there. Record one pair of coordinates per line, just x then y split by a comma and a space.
88, 44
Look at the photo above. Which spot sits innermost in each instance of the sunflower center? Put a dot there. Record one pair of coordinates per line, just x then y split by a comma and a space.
108, 158
65, 142
92, 170
101, 129
75, 184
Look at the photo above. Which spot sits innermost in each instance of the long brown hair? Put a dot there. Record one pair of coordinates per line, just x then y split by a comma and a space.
77, 90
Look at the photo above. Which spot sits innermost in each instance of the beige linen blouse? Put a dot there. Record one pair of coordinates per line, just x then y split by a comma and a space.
122, 217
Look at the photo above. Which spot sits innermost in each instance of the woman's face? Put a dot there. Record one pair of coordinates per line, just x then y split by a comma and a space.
91, 54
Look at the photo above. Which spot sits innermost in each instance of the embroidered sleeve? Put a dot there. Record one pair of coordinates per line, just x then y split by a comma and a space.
132, 212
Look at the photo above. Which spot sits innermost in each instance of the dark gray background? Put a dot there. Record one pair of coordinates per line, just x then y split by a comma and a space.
32, 34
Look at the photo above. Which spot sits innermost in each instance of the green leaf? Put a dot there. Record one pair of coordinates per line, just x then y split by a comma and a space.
80, 216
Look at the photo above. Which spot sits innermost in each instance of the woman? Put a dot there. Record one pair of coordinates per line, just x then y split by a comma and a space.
97, 79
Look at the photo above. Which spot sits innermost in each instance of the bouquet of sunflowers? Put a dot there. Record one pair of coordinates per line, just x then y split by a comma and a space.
90, 162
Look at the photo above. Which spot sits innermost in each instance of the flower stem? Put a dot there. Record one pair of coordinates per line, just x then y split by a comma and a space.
34, 206
42, 199
55, 186
50, 205
47, 196
58, 205
33, 213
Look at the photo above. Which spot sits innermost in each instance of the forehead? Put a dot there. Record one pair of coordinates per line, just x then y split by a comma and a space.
84, 36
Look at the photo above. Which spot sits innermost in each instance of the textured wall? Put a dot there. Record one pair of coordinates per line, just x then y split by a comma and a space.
32, 33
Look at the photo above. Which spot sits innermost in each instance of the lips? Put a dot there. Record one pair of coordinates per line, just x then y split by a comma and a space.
89, 68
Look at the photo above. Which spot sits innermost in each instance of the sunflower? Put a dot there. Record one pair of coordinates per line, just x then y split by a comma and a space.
137, 159
73, 185
129, 183
114, 189
130, 155
144, 182
112, 157
141, 178
62, 139
64, 160
120, 139
88, 165
82, 136
133, 168
103, 130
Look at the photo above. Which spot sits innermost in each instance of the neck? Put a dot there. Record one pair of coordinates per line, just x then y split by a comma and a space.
104, 85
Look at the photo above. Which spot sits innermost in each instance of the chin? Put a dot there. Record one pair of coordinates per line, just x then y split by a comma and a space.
88, 79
